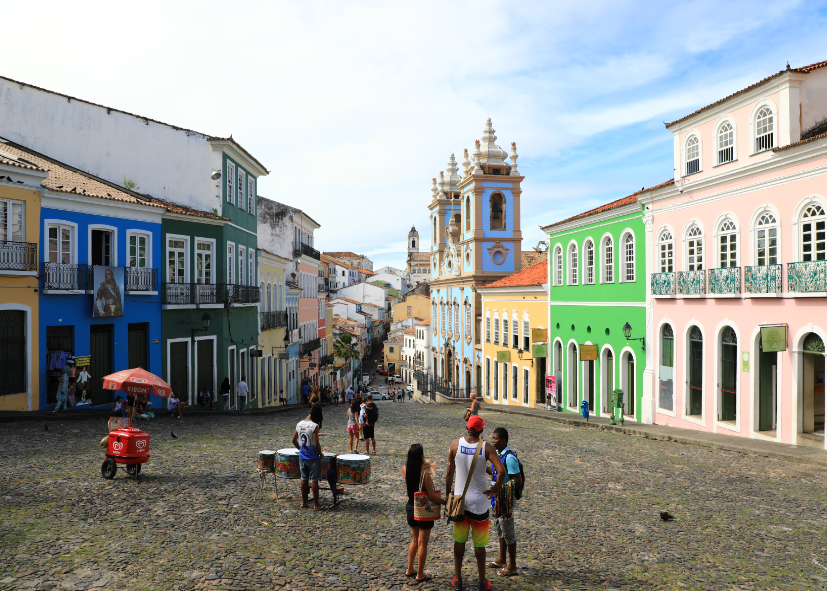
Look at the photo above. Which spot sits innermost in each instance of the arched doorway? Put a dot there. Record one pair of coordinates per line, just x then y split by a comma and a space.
571, 376
729, 373
695, 381
448, 367
812, 364
607, 367
468, 382
628, 382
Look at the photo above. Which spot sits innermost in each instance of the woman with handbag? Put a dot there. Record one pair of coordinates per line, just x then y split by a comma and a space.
422, 509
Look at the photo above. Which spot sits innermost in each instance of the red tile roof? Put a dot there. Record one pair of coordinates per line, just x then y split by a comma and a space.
532, 257
343, 254
534, 275
808, 140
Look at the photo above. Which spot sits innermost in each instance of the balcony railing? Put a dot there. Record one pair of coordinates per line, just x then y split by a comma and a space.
691, 282
663, 284
309, 346
271, 320
300, 248
762, 279
57, 276
326, 360
725, 280
807, 276
183, 294
141, 279
244, 294
18, 256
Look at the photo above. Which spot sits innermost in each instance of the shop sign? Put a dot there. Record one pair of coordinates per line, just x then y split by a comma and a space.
745, 361
539, 335
503, 356
83, 361
550, 384
256, 353
539, 351
588, 352
774, 338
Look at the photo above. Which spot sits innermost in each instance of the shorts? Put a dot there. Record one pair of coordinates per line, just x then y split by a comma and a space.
367, 432
310, 469
353, 429
478, 528
409, 510
504, 526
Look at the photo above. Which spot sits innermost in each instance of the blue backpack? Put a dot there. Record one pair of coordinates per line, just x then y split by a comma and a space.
518, 490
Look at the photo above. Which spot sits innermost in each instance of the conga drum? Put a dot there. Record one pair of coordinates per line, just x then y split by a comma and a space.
328, 460
287, 463
353, 468
267, 460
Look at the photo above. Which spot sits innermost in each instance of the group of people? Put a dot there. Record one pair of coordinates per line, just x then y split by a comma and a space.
68, 387
362, 415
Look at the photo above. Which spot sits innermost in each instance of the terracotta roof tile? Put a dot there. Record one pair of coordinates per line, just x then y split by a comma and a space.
808, 140
532, 257
420, 256
10, 159
423, 322
343, 254
534, 275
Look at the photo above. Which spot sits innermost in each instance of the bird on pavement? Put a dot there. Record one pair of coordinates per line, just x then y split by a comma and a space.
174, 436
666, 516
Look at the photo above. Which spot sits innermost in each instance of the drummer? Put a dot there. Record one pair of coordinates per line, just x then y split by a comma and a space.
306, 440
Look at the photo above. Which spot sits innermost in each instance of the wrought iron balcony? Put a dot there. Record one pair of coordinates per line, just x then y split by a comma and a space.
18, 256
183, 294
300, 248
244, 294
663, 284
725, 280
326, 360
271, 320
140, 279
807, 276
762, 279
309, 346
60, 277
691, 282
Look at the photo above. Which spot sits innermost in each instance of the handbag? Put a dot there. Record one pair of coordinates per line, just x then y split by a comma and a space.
455, 508
424, 508
467, 415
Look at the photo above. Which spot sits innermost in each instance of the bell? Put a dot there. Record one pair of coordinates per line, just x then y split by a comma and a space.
496, 210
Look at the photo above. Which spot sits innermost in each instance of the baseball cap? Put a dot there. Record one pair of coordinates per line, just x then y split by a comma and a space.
476, 423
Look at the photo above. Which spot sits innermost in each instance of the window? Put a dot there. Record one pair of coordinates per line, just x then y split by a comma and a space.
488, 377
102, 242
764, 130
496, 330
488, 329
813, 234
558, 266
505, 331
505, 381
138, 250
442, 315
176, 260
251, 267
695, 250
515, 332
467, 214
767, 240
696, 349
450, 324
727, 244
589, 248
433, 236
525, 385
573, 264
242, 256
241, 201
726, 143
456, 318
497, 211
526, 334
11, 221
390, 349
668, 347
230, 263
629, 257
496, 381
608, 260
230, 182
729, 373
693, 155
514, 371
467, 320
666, 252
251, 195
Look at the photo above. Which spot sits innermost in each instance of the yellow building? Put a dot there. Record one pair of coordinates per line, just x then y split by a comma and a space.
20, 197
511, 364
272, 324
413, 306
393, 352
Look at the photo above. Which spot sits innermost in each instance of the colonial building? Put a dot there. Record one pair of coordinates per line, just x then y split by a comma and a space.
418, 264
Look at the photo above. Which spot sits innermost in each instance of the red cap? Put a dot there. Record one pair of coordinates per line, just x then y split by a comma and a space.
476, 424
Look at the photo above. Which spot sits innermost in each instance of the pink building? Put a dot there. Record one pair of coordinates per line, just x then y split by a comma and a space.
311, 306
736, 255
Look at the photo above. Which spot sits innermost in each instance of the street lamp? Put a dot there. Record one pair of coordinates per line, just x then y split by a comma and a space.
520, 355
205, 322
627, 332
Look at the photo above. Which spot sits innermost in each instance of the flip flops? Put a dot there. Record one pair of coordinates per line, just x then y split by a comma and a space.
493, 564
425, 580
504, 572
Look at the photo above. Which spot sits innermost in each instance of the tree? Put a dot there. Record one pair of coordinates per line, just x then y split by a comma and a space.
343, 347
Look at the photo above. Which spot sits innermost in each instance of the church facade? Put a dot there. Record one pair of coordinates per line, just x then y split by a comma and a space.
475, 240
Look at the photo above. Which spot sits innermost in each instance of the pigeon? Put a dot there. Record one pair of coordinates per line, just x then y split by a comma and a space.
666, 516
46, 427
174, 436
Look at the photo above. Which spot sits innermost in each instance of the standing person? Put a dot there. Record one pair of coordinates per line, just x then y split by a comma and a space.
350, 394
504, 523
362, 411
306, 440
371, 416
242, 390
305, 392
282, 399
83, 381
225, 393
353, 427
475, 406
62, 389
417, 475
460, 457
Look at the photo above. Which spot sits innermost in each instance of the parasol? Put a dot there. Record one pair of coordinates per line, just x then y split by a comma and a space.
137, 381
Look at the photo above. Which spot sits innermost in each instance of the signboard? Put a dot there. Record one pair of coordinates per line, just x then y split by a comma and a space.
256, 353
83, 361
539, 335
107, 285
745, 361
156, 341
774, 338
503, 356
550, 384
539, 351
588, 352
410, 310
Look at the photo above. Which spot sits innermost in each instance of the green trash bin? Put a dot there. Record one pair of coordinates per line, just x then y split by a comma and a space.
617, 402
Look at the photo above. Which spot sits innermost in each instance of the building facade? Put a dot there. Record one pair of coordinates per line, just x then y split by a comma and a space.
273, 338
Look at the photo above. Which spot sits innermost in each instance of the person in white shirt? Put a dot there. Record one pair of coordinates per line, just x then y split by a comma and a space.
176, 404
242, 390
306, 440
83, 379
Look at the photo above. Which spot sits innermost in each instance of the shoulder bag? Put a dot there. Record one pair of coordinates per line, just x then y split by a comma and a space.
424, 508
455, 508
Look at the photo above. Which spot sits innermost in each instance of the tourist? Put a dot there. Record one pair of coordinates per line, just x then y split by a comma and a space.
417, 475
119, 408
305, 392
475, 406
71, 395
362, 411
242, 390
225, 393
205, 398
350, 394
306, 440
62, 389
504, 522
353, 427
371, 416
176, 404
475, 521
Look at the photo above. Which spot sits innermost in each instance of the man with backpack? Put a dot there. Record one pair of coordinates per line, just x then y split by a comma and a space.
504, 523
371, 416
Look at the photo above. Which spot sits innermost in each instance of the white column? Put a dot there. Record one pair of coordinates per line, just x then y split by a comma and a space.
647, 406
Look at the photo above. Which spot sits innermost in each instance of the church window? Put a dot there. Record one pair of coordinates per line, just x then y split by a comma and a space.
468, 214
497, 212
413, 242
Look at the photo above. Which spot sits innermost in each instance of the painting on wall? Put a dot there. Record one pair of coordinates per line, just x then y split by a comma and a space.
108, 285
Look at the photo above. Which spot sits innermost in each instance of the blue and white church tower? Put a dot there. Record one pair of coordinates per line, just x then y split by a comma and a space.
475, 240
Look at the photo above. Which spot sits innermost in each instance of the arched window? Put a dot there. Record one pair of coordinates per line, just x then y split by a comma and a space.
505, 331
496, 330
694, 249
667, 363
629, 258
558, 265
468, 214
666, 252
764, 137
608, 260
456, 318
766, 240
693, 155
467, 319
589, 262
728, 244
442, 314
726, 143
413, 242
573, 264
497, 211
813, 234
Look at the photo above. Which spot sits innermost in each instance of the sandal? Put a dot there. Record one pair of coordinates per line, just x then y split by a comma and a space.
485, 586
455, 584
413, 574
425, 580
504, 572
494, 564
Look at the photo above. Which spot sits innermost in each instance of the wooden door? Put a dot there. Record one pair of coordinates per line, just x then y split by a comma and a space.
206, 367
696, 349
767, 372
138, 345
179, 370
729, 361
100, 345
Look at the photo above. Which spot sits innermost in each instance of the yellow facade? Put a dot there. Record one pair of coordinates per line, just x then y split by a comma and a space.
393, 351
19, 311
523, 304
418, 306
272, 368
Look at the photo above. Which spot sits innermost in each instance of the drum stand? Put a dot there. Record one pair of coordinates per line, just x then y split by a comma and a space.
262, 483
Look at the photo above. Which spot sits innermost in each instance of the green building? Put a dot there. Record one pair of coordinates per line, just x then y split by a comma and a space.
597, 285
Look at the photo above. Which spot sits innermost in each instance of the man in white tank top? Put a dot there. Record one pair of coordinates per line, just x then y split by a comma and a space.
477, 499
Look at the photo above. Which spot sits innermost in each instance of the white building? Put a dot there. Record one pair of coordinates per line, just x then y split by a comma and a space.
396, 282
365, 293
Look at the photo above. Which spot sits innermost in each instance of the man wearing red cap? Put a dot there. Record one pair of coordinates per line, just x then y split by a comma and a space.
477, 499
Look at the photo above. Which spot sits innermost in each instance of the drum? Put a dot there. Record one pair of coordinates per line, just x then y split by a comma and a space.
267, 460
328, 459
354, 469
287, 463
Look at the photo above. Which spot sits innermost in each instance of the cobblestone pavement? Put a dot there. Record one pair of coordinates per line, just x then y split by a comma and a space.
589, 518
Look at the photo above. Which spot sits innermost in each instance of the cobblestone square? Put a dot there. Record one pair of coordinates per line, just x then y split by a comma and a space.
589, 518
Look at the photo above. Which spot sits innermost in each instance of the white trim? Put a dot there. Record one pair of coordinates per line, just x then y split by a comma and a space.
232, 354
799, 210
576, 364
570, 279
186, 239
623, 234
607, 236
606, 390
251, 362
114, 245
188, 341
717, 370
685, 398
716, 234
103, 207
798, 374
58, 222
254, 234
753, 240
685, 248
592, 221
659, 242
635, 381
622, 304
595, 262
214, 385
761, 103
689, 135
30, 340
755, 381
138, 232
214, 255
715, 148
658, 343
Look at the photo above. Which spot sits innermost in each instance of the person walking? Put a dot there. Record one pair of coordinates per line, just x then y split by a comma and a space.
62, 389
475, 520
350, 395
306, 440
362, 411
305, 392
241, 390
225, 393
504, 522
475, 406
353, 427
368, 430
417, 475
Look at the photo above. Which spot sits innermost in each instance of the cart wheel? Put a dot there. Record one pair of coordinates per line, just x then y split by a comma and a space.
139, 467
132, 469
109, 468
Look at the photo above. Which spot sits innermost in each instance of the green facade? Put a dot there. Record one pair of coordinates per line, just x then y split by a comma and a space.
594, 310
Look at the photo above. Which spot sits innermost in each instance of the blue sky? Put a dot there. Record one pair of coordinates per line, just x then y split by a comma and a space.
355, 106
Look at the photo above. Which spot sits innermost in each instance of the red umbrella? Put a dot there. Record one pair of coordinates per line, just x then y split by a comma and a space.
137, 381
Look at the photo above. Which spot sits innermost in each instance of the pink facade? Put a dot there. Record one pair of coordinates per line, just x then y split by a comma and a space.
737, 243
311, 312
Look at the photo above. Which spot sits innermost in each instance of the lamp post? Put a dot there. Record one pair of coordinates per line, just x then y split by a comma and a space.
627, 332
